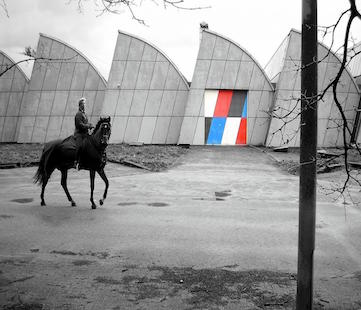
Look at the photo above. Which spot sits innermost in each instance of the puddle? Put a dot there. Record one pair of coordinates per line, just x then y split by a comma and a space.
225, 193
158, 204
23, 200
127, 203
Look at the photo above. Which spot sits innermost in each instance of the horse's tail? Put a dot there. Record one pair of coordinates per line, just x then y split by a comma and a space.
42, 174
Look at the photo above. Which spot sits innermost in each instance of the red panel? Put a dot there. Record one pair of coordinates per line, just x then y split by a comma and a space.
223, 103
242, 132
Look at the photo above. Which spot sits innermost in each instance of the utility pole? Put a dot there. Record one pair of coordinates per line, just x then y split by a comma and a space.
308, 151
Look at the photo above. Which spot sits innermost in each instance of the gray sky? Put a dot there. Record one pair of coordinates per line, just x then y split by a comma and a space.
259, 26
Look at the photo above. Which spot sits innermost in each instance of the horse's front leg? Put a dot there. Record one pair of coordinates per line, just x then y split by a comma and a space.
105, 179
92, 177
64, 177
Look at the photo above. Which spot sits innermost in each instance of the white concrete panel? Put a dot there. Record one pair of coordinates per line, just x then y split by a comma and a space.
92, 79
2, 121
57, 50
44, 47
161, 58
136, 49
188, 130
9, 129
215, 75
133, 129
124, 102
110, 102
207, 46
234, 53
138, 103
231, 130
119, 124
180, 103
60, 100
174, 130
153, 103
31, 103
147, 129
167, 104
14, 103
257, 134
161, 130
122, 47
351, 105
199, 134
145, 75
70, 55
331, 73
65, 75
99, 102
79, 77
67, 127
149, 53
39, 133
46, 103
230, 74
4, 102
343, 85
54, 127
51, 75
253, 102
159, 75
200, 74
294, 47
6, 81
37, 76
195, 100
26, 129
258, 78
265, 104
244, 75
221, 49
19, 82
210, 100
130, 75
173, 79
116, 74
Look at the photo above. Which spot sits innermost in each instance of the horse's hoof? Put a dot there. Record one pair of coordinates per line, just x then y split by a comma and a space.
73, 204
43, 203
94, 206
101, 201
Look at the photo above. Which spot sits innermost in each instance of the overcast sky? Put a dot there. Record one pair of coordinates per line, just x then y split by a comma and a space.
259, 26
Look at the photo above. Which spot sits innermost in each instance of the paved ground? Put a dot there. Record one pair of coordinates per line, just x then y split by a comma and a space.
219, 231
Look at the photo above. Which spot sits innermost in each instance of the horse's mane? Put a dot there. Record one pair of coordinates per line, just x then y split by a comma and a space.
101, 121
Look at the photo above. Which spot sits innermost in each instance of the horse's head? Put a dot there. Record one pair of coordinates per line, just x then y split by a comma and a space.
103, 130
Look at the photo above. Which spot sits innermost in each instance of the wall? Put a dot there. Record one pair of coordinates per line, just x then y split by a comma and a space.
224, 72
60, 76
13, 85
146, 94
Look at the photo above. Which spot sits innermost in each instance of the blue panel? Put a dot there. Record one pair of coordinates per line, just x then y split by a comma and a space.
244, 112
216, 130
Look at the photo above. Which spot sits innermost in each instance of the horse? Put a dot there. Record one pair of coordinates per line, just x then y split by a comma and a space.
61, 154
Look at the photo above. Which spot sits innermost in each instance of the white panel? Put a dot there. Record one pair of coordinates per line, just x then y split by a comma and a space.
231, 130
210, 100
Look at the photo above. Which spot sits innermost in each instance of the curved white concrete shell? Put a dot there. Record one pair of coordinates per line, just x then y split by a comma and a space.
13, 85
60, 76
284, 70
146, 94
230, 96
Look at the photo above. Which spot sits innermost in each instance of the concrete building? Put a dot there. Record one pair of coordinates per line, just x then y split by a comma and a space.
146, 94
60, 76
229, 97
13, 86
284, 71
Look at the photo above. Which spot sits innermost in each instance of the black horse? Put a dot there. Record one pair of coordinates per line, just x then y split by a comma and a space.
61, 154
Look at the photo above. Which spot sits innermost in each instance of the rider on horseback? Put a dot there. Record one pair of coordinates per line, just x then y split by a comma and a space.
82, 127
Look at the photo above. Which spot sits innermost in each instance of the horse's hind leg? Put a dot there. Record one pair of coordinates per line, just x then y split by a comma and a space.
43, 185
64, 176
105, 179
